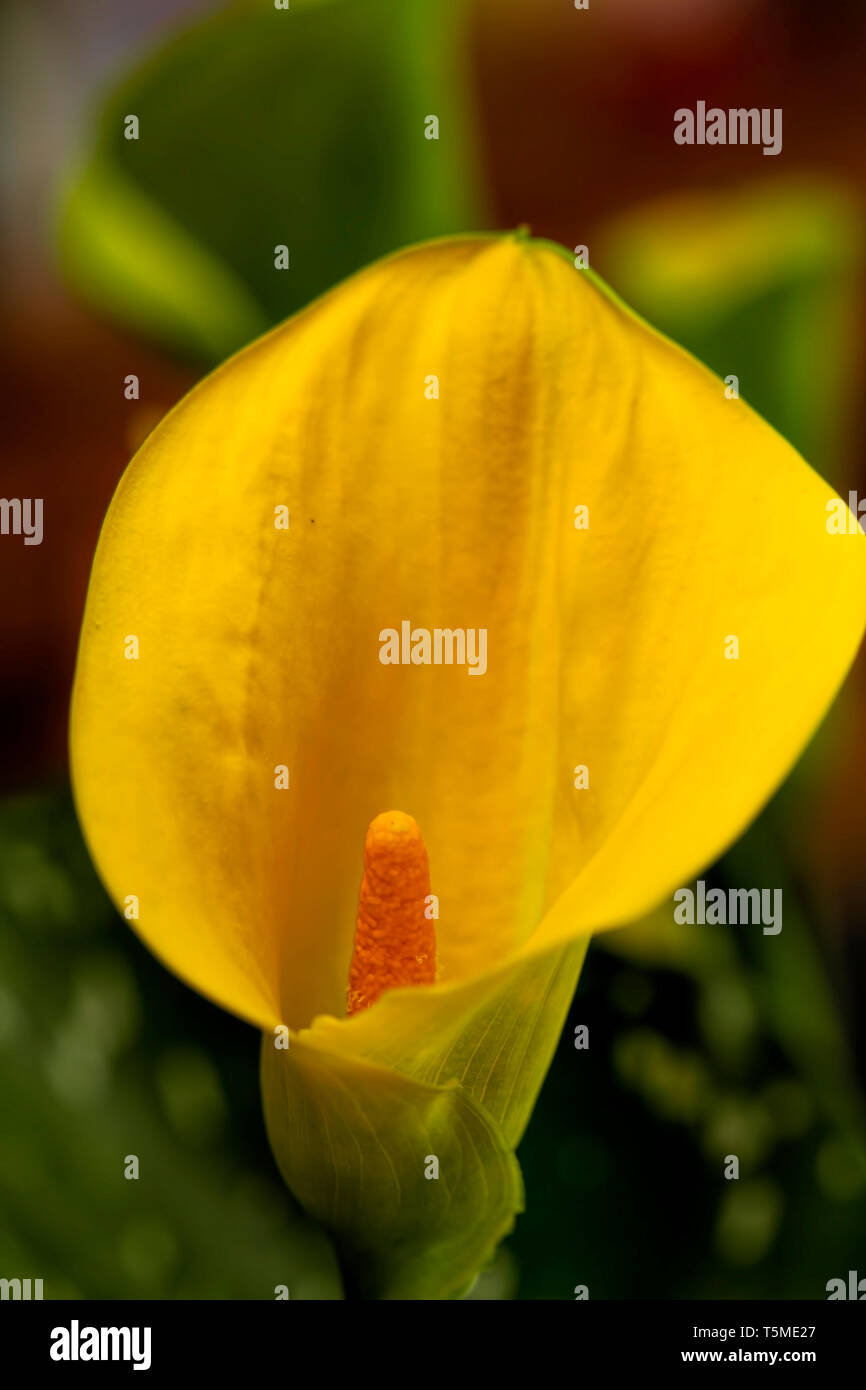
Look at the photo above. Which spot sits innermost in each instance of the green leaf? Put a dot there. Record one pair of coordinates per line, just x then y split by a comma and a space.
401, 1235
353, 1115
159, 280
260, 128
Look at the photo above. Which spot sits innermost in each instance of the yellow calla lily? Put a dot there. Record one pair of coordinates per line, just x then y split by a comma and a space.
433, 429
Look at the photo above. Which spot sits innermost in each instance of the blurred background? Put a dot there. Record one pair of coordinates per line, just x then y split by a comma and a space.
154, 258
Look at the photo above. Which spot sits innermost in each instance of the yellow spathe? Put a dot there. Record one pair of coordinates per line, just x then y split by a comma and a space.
606, 647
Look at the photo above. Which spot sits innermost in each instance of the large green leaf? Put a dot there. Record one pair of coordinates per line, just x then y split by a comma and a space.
261, 128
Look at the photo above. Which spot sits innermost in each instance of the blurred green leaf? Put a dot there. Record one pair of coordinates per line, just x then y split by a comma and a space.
102, 1056
792, 983
260, 128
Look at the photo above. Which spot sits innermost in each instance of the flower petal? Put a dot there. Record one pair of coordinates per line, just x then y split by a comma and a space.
606, 646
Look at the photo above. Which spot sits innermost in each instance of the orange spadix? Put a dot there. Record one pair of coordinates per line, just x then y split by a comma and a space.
395, 940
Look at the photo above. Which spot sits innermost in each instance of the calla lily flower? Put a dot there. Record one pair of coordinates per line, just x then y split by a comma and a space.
475, 436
